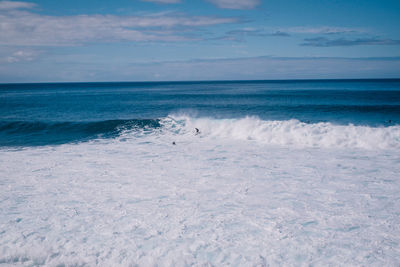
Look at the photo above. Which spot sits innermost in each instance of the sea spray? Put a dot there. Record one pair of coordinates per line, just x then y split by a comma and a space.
290, 132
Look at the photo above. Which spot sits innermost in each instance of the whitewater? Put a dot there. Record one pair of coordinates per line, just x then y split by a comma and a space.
243, 192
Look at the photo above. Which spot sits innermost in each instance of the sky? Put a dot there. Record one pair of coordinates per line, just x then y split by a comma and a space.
184, 40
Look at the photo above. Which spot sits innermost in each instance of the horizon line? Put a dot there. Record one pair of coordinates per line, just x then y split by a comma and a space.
205, 81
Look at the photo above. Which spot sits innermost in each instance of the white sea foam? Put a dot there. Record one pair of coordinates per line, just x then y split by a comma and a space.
291, 132
211, 199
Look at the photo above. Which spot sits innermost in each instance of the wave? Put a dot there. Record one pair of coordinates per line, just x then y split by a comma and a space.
21, 133
291, 132
273, 132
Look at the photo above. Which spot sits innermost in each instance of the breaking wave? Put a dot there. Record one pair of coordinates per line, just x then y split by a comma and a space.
291, 132
283, 133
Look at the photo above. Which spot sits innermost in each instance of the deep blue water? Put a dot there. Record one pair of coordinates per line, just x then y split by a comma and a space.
41, 114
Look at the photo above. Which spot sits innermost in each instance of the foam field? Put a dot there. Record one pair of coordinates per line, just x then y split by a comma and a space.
218, 198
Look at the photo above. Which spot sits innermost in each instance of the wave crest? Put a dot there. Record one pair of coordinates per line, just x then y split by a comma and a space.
291, 132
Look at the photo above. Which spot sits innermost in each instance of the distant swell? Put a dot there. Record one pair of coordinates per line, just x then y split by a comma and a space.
23, 133
294, 132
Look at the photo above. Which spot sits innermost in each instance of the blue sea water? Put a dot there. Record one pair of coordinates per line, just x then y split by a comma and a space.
57, 113
281, 173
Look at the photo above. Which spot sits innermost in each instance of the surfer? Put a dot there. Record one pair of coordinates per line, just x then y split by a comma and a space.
173, 143
197, 131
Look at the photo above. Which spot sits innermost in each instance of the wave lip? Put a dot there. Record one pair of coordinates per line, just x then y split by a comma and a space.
296, 133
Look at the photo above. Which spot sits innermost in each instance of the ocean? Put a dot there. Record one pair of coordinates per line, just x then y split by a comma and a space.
241, 173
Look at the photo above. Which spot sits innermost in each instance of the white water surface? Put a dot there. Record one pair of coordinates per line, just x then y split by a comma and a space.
214, 199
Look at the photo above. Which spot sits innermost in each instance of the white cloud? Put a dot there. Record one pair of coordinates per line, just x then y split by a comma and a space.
259, 68
164, 1
236, 4
9, 55
250, 68
325, 42
9, 5
20, 56
230, 4
27, 28
241, 33
322, 30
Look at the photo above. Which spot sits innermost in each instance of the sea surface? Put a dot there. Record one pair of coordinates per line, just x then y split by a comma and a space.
244, 173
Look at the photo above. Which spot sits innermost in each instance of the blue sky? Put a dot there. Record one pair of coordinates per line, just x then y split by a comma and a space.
152, 40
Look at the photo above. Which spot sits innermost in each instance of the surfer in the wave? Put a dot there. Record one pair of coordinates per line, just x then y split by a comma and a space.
197, 131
